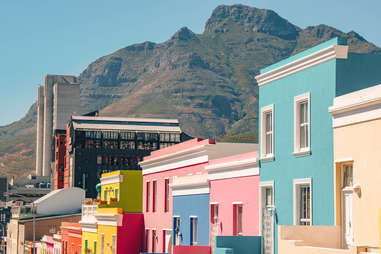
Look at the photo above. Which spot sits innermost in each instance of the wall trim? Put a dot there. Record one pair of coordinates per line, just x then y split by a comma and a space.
111, 179
319, 57
109, 219
179, 164
233, 173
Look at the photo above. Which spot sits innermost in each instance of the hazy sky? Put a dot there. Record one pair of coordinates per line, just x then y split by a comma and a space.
63, 37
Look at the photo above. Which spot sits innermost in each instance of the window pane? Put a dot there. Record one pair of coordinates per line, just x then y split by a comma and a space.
305, 205
303, 137
269, 143
269, 123
347, 175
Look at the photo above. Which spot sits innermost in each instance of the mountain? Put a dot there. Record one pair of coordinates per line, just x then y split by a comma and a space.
206, 80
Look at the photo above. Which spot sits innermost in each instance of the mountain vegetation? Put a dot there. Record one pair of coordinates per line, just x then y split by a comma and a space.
206, 80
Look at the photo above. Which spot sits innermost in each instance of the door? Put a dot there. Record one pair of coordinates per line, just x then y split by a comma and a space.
268, 220
347, 218
176, 230
346, 208
168, 241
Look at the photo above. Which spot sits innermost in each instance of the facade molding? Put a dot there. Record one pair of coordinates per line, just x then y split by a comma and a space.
109, 219
319, 57
111, 179
190, 185
233, 173
178, 164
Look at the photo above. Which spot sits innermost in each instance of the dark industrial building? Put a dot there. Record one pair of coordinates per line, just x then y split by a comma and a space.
96, 145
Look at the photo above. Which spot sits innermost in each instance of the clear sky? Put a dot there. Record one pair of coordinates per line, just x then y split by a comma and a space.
62, 37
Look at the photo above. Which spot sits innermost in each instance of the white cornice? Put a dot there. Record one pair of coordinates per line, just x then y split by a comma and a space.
109, 219
146, 164
354, 106
232, 165
178, 164
233, 173
190, 185
324, 55
112, 179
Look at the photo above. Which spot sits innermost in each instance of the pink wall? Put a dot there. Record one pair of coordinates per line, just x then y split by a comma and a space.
161, 220
131, 234
191, 249
239, 189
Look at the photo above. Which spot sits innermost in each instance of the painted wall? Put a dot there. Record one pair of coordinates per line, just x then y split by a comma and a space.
108, 232
130, 190
92, 238
323, 82
193, 205
239, 244
240, 189
191, 249
362, 143
131, 234
72, 236
319, 81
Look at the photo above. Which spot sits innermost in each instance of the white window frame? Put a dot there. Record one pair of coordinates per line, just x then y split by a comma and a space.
214, 212
298, 151
262, 193
297, 184
265, 110
114, 243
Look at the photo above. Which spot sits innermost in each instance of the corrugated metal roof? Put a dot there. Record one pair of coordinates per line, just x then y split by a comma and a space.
94, 126
125, 119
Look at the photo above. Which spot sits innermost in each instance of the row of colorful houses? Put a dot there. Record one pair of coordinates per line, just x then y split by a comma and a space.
311, 185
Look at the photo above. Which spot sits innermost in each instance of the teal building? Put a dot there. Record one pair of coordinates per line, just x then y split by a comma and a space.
296, 136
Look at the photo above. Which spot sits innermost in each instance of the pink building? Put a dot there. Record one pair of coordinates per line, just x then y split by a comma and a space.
234, 183
159, 168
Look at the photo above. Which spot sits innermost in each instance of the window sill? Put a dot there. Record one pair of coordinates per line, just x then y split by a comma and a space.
268, 158
302, 153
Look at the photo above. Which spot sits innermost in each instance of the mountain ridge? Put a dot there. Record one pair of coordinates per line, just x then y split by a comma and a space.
206, 80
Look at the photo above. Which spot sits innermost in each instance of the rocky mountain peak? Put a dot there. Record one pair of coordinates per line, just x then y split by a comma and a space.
184, 34
252, 19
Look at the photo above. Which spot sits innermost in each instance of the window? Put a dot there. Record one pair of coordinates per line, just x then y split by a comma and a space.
86, 242
176, 230
99, 160
117, 194
237, 218
347, 175
302, 202
153, 240
214, 213
105, 195
166, 196
193, 233
267, 134
154, 194
302, 124
103, 244
95, 247
148, 196
113, 244
147, 240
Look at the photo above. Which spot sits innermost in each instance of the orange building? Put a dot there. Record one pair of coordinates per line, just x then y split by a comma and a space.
71, 238
59, 162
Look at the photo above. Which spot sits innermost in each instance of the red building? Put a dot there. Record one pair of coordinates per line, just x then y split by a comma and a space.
59, 162
71, 238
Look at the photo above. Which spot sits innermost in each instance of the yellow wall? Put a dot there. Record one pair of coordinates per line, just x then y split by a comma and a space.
362, 143
108, 232
130, 190
90, 237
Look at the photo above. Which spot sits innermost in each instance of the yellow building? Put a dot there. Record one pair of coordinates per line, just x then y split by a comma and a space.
357, 150
122, 189
89, 228
114, 224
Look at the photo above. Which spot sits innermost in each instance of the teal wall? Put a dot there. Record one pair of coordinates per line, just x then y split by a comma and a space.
237, 245
324, 82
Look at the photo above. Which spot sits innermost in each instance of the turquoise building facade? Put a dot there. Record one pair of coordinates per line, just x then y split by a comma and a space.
296, 136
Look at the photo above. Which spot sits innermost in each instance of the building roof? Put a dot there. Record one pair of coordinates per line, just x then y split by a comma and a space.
61, 201
190, 153
119, 123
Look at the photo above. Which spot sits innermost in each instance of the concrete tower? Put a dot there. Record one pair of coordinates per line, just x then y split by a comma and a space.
40, 130
49, 102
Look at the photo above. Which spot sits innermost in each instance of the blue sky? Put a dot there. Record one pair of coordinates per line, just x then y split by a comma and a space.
63, 37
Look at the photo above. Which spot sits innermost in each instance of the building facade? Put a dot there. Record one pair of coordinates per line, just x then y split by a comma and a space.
160, 168
296, 136
71, 238
57, 100
190, 211
97, 145
234, 187
356, 125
